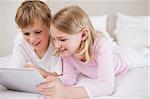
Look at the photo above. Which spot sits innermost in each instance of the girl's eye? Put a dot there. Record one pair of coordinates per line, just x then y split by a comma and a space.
26, 34
63, 39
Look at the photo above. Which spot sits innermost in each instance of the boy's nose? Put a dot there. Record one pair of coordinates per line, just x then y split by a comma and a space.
32, 39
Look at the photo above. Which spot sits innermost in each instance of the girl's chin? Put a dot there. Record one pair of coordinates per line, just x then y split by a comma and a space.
65, 55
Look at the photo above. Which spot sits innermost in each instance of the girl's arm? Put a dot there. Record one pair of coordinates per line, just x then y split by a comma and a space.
105, 82
69, 76
72, 92
54, 88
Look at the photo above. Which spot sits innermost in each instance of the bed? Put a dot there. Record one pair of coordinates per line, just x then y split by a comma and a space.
120, 21
134, 85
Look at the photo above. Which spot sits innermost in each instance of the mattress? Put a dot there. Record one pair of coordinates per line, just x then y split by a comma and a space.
133, 85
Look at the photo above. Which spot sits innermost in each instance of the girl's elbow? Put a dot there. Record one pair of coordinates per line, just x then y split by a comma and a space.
111, 89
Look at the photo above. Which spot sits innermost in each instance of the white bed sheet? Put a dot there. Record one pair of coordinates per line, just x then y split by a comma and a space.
133, 85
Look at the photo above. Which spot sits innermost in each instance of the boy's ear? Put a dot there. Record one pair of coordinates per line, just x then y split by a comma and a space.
84, 34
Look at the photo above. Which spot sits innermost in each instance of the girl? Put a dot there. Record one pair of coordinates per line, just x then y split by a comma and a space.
84, 52
33, 47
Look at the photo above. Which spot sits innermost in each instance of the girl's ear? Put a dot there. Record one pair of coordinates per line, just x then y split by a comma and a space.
84, 34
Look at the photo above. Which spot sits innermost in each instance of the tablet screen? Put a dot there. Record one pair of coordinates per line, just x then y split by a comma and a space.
22, 79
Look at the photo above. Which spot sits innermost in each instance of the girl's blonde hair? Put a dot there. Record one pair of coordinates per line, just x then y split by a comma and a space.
30, 10
72, 20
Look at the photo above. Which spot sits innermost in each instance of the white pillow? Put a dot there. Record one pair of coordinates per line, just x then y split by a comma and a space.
132, 31
99, 22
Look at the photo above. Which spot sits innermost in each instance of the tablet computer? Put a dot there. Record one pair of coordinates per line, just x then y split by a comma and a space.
22, 79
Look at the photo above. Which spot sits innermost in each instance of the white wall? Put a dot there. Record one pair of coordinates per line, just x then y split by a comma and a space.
148, 7
100, 7
8, 27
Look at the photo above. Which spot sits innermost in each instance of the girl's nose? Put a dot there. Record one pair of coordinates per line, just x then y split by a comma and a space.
57, 44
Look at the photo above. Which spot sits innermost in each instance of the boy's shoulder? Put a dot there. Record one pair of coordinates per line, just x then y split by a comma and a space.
19, 39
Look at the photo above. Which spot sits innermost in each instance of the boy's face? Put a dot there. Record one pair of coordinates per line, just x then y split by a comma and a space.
66, 44
37, 35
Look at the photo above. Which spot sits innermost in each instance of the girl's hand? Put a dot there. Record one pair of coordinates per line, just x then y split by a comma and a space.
40, 70
52, 88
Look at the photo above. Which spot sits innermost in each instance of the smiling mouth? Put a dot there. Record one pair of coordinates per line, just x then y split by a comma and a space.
59, 51
63, 50
36, 44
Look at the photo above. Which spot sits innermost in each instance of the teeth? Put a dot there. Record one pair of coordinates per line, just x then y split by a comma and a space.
62, 49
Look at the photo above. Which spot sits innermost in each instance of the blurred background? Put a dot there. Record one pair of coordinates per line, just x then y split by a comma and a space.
8, 28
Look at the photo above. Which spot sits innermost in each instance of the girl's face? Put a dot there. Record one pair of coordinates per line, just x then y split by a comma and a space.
66, 44
37, 35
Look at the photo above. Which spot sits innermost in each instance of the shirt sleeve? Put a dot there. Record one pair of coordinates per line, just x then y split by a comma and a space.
69, 73
104, 84
18, 59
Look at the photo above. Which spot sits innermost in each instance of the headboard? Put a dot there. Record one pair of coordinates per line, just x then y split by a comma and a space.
8, 8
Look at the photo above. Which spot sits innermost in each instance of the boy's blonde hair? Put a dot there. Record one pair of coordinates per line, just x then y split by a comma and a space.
30, 10
72, 20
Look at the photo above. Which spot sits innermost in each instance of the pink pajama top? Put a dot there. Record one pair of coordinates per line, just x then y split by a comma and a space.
103, 69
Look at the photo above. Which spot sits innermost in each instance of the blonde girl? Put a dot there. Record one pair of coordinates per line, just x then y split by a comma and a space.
84, 52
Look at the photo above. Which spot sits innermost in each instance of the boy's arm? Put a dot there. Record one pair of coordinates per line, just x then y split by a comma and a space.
43, 72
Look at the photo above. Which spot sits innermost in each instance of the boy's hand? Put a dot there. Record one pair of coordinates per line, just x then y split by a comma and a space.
29, 66
43, 72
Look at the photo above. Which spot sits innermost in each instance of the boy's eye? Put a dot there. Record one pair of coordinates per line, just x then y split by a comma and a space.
26, 34
37, 32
